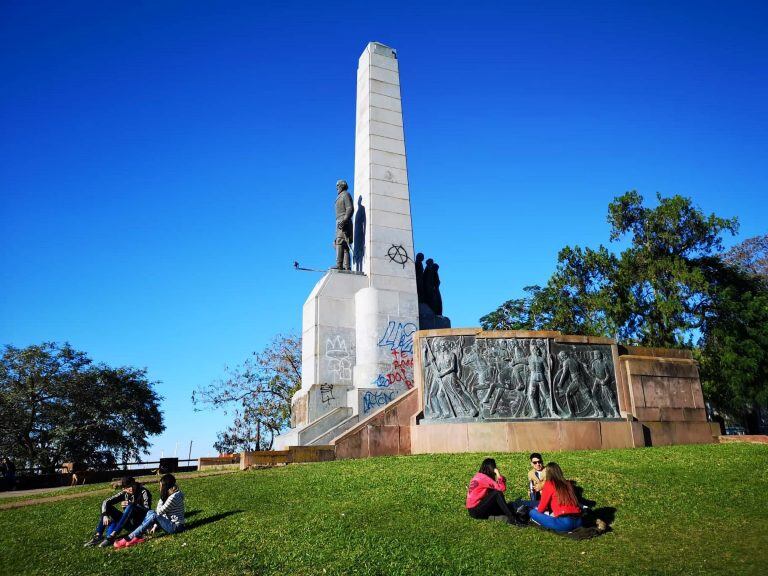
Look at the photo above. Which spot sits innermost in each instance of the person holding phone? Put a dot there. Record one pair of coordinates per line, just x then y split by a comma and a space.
169, 514
485, 496
134, 501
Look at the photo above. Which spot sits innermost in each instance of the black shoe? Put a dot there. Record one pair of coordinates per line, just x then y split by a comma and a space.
107, 542
93, 541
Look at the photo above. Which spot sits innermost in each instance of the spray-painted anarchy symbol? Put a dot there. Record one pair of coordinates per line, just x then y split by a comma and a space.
398, 255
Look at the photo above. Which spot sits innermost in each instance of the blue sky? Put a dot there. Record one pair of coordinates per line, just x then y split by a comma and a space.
162, 164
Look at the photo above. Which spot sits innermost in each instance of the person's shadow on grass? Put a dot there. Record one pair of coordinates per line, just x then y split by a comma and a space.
607, 514
208, 519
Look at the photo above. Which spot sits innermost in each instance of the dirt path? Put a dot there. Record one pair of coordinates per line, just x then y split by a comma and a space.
60, 497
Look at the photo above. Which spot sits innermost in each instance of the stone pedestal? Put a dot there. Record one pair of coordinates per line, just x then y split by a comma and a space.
328, 346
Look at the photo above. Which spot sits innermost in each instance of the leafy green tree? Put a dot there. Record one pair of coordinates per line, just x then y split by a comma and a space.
260, 392
56, 406
734, 363
514, 314
655, 292
666, 269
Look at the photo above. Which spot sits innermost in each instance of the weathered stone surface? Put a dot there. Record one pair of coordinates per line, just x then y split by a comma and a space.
487, 437
541, 436
579, 435
616, 435
469, 378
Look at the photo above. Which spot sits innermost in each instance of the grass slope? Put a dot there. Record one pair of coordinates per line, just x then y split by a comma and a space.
680, 510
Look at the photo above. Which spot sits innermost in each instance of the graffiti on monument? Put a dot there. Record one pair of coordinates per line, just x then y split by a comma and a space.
398, 254
338, 357
398, 337
472, 378
374, 399
381, 381
326, 393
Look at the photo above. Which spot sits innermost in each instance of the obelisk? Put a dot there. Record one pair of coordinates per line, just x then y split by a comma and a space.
387, 311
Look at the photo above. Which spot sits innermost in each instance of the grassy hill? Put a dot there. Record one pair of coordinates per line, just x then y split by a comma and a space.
679, 510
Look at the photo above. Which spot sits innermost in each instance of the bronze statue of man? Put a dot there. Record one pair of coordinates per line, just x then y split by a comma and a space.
344, 210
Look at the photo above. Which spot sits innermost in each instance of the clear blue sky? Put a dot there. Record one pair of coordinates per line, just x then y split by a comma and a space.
162, 164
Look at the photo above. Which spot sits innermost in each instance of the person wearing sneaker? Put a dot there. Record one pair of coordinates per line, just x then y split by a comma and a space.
169, 514
485, 496
559, 509
134, 499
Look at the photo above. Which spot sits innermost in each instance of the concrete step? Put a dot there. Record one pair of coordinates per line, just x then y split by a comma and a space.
338, 430
320, 426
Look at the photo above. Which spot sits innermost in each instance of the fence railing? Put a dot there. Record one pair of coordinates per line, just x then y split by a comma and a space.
118, 467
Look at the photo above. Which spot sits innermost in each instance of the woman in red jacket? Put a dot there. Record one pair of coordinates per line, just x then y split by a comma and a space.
485, 496
559, 499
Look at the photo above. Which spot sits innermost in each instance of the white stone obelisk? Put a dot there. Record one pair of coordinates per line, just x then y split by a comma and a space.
357, 334
387, 311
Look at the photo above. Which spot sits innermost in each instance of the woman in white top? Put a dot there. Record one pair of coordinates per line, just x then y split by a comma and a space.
169, 514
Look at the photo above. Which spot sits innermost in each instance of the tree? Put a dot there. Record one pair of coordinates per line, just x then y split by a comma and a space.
751, 255
514, 314
656, 292
734, 362
666, 269
56, 405
260, 391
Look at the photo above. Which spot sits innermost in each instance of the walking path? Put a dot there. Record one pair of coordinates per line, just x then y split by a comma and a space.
59, 497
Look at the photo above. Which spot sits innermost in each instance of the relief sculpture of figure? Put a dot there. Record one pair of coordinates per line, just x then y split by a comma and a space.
519, 364
436, 401
452, 388
344, 209
496, 360
538, 392
575, 390
601, 370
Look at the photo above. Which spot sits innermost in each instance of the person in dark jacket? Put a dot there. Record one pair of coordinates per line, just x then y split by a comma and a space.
134, 499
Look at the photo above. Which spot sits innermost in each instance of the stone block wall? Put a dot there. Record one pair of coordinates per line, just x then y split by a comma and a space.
665, 395
386, 433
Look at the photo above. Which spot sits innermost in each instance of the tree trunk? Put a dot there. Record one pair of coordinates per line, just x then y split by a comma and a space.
752, 421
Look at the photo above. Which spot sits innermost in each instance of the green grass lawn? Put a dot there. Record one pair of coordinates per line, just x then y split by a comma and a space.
679, 510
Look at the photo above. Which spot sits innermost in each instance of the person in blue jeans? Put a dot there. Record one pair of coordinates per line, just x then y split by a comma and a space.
134, 500
558, 509
169, 514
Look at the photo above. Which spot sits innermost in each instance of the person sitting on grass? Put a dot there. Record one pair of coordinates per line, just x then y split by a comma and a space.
536, 478
559, 509
135, 500
169, 514
485, 497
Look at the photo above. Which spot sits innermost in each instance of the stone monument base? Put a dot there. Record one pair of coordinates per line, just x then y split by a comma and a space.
659, 396
394, 431
552, 435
